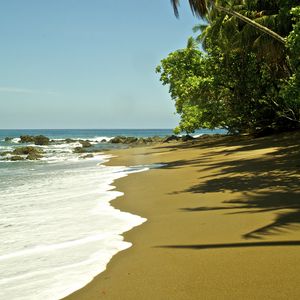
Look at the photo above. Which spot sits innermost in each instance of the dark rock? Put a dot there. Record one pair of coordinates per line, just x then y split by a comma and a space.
85, 144
136, 141
153, 139
186, 138
5, 153
27, 150
170, 138
150, 140
41, 140
16, 158
69, 141
103, 141
142, 141
26, 139
130, 140
79, 150
118, 140
37, 140
34, 156
8, 139
157, 139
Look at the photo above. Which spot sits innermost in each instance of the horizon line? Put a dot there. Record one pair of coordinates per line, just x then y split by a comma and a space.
86, 128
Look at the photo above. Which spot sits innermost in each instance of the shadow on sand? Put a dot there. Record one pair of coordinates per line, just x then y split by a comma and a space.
232, 245
268, 183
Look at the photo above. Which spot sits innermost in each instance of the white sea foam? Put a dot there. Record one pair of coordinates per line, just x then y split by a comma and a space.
100, 138
15, 140
197, 135
57, 227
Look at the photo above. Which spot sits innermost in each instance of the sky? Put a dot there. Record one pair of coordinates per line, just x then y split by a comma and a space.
88, 63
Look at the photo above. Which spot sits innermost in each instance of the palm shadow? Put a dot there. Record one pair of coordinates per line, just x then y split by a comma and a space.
232, 245
268, 183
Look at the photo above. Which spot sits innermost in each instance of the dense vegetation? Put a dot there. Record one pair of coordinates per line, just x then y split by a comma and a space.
246, 79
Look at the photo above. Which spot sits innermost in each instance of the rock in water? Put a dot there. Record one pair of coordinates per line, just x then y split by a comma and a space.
27, 150
118, 140
37, 140
5, 153
34, 156
16, 158
41, 140
79, 150
26, 139
85, 144
68, 141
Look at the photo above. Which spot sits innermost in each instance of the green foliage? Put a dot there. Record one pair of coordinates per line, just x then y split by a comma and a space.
187, 72
233, 91
245, 81
291, 88
293, 40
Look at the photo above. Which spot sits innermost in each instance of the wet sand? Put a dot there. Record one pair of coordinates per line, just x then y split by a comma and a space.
223, 222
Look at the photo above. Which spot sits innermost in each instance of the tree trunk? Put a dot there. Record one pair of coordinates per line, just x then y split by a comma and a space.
252, 23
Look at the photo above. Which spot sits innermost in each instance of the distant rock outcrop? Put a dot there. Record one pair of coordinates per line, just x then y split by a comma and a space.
26, 139
27, 150
41, 140
37, 140
69, 141
32, 153
186, 138
130, 140
171, 138
118, 140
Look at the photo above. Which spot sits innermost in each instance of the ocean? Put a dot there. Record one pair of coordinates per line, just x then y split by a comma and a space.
57, 227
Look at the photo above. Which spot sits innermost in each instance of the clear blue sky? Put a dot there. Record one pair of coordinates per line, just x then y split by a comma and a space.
87, 63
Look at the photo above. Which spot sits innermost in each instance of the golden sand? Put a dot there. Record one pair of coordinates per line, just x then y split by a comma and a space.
223, 222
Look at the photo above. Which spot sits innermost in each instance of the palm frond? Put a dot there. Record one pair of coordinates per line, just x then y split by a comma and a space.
199, 27
191, 43
198, 7
175, 4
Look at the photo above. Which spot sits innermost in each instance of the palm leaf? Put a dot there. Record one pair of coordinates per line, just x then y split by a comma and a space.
198, 7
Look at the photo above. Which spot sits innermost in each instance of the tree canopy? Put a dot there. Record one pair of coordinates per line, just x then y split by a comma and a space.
244, 79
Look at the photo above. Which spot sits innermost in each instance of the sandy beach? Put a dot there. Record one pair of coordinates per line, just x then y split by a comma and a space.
223, 222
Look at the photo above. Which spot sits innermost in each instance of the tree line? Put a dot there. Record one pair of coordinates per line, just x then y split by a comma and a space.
242, 71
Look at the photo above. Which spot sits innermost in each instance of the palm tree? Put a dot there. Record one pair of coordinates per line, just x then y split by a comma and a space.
232, 35
201, 8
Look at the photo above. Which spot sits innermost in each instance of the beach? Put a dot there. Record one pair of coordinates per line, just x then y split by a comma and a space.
223, 216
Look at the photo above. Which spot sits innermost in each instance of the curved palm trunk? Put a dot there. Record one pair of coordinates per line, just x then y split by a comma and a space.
199, 7
253, 23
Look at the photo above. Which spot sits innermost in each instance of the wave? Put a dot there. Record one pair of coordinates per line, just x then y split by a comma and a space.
69, 229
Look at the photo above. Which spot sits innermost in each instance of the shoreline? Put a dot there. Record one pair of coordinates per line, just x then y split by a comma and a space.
214, 226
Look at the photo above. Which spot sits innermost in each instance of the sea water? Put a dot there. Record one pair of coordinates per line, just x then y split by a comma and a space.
57, 227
